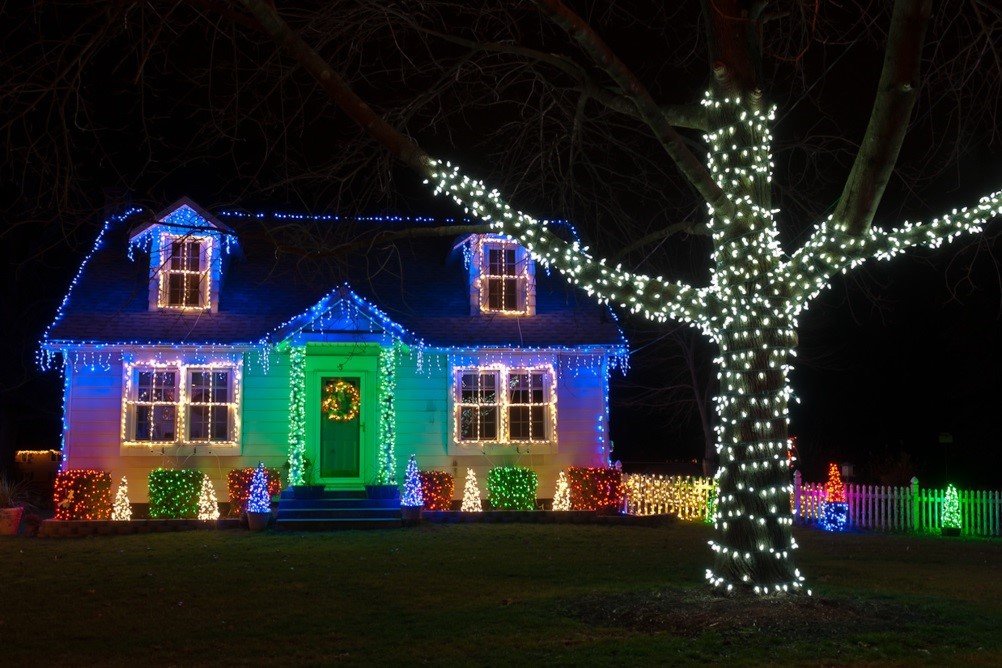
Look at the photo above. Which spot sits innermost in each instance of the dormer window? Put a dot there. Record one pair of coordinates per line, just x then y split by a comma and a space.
502, 277
184, 272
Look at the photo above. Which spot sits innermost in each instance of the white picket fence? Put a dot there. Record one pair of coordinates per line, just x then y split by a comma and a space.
912, 509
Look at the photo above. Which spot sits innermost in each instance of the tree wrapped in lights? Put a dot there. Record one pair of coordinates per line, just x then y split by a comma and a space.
412, 496
562, 495
208, 506
471, 494
259, 501
121, 510
951, 511
750, 307
834, 510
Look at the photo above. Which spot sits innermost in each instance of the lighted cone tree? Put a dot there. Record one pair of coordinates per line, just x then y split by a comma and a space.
834, 510
259, 500
121, 510
757, 289
208, 506
471, 494
412, 497
951, 512
562, 495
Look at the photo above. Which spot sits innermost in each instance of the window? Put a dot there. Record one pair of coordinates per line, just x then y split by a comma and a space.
503, 274
500, 405
209, 406
177, 404
478, 406
156, 406
184, 277
526, 406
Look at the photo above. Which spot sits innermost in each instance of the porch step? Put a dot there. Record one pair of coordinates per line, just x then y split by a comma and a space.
337, 503
337, 513
324, 524
331, 494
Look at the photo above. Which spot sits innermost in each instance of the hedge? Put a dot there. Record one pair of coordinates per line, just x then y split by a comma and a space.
512, 488
82, 494
174, 493
595, 488
238, 485
437, 488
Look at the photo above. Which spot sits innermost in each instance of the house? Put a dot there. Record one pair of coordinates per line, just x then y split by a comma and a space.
186, 341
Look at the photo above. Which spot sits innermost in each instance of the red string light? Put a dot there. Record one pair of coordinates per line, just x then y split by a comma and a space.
82, 494
437, 488
595, 488
238, 485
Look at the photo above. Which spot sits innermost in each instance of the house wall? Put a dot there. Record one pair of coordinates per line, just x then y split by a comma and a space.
423, 424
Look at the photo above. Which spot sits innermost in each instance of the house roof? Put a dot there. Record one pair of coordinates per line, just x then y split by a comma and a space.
421, 285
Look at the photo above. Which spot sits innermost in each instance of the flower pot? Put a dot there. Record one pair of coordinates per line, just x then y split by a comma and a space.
258, 521
382, 491
307, 491
950, 531
411, 514
10, 520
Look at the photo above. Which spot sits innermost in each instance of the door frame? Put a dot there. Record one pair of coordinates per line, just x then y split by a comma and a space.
334, 363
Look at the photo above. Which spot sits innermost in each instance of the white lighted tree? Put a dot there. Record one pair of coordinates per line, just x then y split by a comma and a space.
757, 287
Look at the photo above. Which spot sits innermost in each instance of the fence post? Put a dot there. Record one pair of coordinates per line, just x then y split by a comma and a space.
916, 510
796, 495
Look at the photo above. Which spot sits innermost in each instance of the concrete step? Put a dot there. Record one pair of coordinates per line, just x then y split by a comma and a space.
337, 524
331, 494
337, 513
335, 503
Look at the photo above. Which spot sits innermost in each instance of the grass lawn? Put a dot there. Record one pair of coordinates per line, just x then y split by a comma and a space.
489, 594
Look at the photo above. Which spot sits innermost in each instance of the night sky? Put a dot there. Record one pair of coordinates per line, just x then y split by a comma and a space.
890, 358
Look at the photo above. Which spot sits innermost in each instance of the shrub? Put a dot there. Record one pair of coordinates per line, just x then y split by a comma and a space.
595, 488
82, 494
238, 485
437, 487
174, 493
512, 488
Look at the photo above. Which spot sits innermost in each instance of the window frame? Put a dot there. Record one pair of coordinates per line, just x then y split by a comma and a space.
523, 273
230, 404
183, 403
165, 271
504, 403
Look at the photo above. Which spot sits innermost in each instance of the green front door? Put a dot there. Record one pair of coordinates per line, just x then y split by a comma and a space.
340, 426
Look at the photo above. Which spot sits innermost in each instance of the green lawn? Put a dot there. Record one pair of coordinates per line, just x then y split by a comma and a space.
494, 594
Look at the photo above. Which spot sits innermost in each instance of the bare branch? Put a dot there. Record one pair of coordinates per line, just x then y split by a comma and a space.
892, 108
685, 227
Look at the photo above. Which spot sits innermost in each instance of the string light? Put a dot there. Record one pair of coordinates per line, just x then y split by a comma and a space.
208, 507
951, 509
412, 496
238, 485
387, 474
121, 510
341, 401
685, 497
259, 498
835, 510
174, 493
436, 490
503, 392
82, 494
595, 488
512, 488
471, 494
562, 495
297, 416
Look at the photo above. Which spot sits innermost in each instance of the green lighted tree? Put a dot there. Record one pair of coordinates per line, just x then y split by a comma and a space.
951, 508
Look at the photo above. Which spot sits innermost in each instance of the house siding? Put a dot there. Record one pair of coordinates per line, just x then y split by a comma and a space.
423, 424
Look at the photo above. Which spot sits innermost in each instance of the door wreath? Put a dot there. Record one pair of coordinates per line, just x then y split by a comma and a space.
341, 401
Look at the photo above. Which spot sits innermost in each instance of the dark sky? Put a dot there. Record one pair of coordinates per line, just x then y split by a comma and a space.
890, 358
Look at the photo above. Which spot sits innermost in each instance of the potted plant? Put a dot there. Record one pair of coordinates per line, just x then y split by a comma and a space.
13, 499
308, 490
412, 500
259, 503
378, 488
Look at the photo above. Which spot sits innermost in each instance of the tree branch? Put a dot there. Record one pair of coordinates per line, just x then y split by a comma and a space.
892, 108
686, 227
674, 145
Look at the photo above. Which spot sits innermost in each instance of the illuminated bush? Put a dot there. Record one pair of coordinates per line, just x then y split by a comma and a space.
436, 488
512, 488
82, 494
238, 485
595, 488
174, 493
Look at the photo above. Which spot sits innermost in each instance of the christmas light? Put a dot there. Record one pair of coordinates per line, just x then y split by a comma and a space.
259, 500
174, 493
238, 484
951, 509
835, 510
471, 494
562, 495
297, 416
412, 496
436, 490
208, 507
512, 488
387, 414
82, 494
500, 389
682, 496
121, 510
595, 488
341, 401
